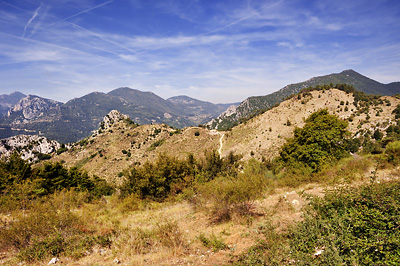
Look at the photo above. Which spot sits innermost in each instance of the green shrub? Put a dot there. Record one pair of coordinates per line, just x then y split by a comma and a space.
318, 143
354, 225
392, 152
157, 180
349, 226
62, 150
156, 144
378, 135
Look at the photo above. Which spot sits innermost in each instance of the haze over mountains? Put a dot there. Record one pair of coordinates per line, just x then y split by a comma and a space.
76, 119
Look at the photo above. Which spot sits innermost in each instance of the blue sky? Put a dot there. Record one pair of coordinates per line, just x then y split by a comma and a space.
214, 50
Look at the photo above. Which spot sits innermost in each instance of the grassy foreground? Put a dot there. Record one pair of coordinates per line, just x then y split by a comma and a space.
254, 219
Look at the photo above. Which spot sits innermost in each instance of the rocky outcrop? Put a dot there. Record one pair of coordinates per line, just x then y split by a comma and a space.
112, 117
229, 114
28, 146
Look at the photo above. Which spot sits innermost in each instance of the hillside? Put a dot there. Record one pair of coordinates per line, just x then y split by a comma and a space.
198, 111
111, 151
264, 134
261, 137
77, 118
260, 103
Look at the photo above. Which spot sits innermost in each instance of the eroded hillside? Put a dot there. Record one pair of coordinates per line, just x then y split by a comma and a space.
263, 135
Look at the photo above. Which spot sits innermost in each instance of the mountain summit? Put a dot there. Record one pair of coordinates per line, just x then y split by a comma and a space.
8, 100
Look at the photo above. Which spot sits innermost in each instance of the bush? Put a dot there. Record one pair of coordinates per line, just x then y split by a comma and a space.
156, 144
157, 180
378, 135
351, 226
132, 241
392, 152
169, 235
226, 197
54, 176
318, 143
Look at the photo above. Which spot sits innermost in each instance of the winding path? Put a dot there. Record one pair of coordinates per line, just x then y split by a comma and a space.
220, 145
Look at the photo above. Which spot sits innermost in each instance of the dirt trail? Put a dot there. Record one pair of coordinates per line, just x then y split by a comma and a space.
220, 145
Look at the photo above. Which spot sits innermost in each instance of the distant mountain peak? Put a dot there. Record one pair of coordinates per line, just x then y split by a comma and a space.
349, 71
8, 100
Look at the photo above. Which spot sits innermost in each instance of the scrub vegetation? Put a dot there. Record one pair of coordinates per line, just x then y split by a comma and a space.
190, 210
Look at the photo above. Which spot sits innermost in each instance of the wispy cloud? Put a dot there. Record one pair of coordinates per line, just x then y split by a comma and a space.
82, 12
253, 13
35, 14
200, 48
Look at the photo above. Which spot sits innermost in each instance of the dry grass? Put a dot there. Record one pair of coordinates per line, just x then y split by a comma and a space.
104, 154
263, 135
168, 233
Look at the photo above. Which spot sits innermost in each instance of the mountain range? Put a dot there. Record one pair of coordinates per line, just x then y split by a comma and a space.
78, 117
254, 104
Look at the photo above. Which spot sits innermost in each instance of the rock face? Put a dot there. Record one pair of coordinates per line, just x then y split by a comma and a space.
8, 100
29, 147
31, 107
229, 114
